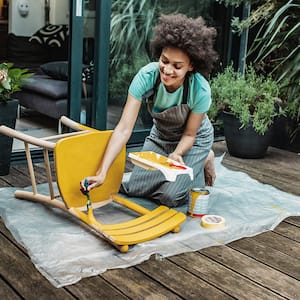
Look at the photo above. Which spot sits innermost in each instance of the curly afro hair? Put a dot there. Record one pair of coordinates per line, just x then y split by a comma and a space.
191, 36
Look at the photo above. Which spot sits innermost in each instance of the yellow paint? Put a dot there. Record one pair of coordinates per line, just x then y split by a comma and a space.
158, 159
79, 156
1, 4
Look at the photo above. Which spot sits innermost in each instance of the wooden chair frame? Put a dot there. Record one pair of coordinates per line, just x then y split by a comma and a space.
150, 225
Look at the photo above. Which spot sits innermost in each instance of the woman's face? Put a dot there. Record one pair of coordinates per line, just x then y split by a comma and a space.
173, 66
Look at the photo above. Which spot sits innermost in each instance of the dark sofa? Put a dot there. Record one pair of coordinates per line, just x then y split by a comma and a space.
47, 91
45, 95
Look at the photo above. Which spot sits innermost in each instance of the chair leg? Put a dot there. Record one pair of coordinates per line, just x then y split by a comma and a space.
19, 111
59, 129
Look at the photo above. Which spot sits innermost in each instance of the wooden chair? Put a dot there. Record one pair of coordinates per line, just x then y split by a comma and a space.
76, 155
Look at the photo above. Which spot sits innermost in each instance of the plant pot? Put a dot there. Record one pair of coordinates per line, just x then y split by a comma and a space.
8, 115
283, 137
244, 142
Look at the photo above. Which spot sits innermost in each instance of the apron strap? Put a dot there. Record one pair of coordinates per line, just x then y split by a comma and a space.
185, 89
149, 95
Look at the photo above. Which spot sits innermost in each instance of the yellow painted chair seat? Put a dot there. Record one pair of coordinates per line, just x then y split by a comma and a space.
79, 156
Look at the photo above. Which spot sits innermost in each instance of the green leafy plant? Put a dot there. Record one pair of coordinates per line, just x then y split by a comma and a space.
275, 48
251, 98
11, 80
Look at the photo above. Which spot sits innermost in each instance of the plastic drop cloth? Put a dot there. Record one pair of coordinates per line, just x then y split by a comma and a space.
64, 251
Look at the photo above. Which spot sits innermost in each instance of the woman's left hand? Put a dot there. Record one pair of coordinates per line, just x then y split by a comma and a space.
175, 156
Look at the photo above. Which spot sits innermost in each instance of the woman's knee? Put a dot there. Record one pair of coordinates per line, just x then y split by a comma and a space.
173, 198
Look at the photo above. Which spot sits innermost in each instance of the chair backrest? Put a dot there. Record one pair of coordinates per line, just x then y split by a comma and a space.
79, 156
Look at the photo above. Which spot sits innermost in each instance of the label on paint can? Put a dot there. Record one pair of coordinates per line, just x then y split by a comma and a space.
198, 202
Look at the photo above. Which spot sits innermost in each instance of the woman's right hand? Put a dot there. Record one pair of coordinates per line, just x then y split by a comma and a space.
93, 181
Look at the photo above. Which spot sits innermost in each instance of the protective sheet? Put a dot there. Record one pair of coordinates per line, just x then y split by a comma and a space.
64, 251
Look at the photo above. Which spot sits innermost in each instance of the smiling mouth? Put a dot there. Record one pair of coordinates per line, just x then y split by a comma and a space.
167, 77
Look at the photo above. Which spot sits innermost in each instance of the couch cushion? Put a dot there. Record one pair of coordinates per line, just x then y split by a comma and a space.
43, 104
59, 70
56, 69
44, 85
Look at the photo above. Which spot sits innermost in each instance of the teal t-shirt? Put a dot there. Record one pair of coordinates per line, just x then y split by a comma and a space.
199, 96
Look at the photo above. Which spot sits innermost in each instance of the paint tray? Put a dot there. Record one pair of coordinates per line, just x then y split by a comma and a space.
153, 161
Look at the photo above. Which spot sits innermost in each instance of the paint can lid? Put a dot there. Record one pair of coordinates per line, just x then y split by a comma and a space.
200, 191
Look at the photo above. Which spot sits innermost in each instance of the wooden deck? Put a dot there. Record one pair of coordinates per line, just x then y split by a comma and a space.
266, 266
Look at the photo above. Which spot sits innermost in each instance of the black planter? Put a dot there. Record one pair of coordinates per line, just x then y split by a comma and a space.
283, 137
8, 115
244, 142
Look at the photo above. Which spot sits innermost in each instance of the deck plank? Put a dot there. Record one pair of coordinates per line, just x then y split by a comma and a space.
293, 220
171, 276
268, 255
137, 285
95, 288
288, 230
278, 168
6, 292
279, 243
222, 277
22, 276
257, 272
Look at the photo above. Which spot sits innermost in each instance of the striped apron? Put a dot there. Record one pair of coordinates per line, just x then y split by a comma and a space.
168, 127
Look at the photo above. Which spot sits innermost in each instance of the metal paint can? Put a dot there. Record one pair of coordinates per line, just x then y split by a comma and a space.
198, 202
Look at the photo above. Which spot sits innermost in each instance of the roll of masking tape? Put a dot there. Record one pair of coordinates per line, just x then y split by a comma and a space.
212, 222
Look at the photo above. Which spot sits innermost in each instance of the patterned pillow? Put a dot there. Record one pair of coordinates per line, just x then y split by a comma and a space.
51, 35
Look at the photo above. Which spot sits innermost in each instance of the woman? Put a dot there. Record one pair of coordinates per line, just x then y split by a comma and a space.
181, 129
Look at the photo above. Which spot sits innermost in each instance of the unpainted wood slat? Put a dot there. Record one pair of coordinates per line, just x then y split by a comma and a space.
180, 281
16, 178
279, 168
295, 220
269, 256
281, 181
279, 242
7, 293
261, 167
5, 232
266, 276
137, 285
94, 288
88, 288
274, 157
21, 274
39, 171
3, 183
221, 277
288, 230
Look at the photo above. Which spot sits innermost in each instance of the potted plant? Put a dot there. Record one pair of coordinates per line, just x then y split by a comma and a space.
274, 50
249, 104
11, 80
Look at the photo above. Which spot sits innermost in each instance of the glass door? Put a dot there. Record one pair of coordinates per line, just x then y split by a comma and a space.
110, 42
132, 22
90, 24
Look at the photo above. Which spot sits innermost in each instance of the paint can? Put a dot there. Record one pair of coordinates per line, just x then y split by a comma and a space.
198, 202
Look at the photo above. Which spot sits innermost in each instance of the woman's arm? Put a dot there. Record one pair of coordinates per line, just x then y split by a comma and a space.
118, 140
188, 138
